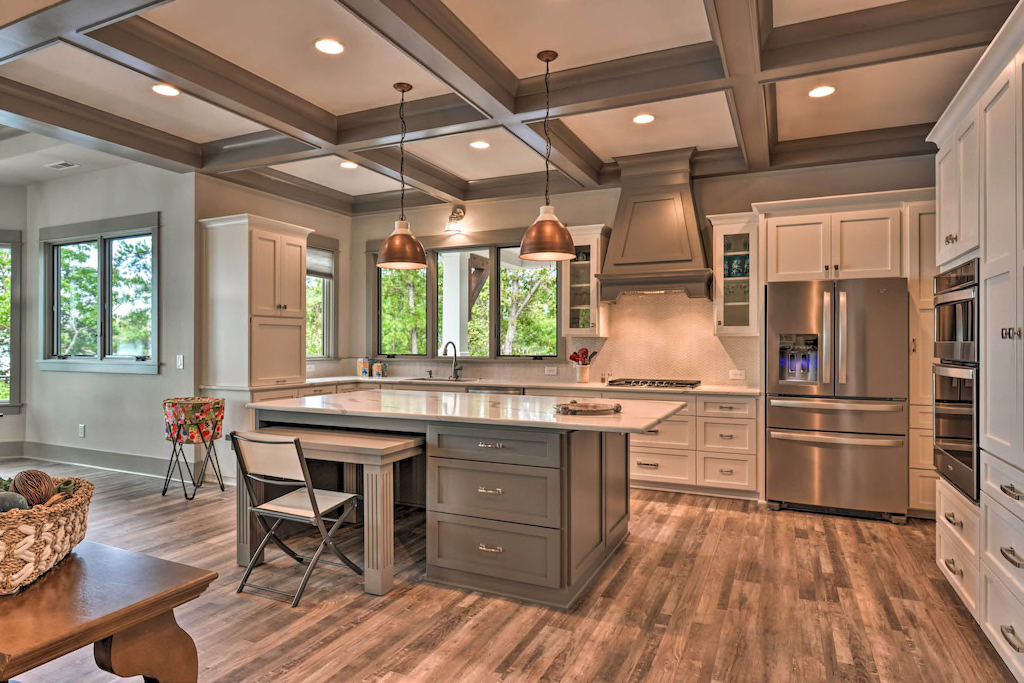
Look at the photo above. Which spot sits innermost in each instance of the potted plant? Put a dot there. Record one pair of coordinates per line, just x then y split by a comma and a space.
581, 360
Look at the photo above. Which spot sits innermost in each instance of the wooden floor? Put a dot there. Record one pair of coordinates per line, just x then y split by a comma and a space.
704, 589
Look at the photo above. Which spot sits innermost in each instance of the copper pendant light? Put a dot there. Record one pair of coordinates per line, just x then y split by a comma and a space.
547, 239
401, 250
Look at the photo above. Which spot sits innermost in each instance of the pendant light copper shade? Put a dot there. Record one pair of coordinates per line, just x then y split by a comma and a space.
547, 239
401, 250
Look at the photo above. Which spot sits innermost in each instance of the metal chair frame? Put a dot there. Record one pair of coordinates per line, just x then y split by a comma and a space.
326, 535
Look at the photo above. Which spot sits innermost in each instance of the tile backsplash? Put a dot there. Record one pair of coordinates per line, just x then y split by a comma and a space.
668, 336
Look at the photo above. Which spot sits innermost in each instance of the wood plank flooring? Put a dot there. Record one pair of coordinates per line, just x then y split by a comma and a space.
704, 589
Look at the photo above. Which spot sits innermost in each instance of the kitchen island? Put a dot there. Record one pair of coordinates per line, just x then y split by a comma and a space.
521, 501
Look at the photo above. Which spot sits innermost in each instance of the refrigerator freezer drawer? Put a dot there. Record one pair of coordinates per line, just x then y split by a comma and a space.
839, 415
847, 471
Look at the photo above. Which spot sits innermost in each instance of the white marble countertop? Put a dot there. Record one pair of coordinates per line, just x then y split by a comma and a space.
490, 409
727, 390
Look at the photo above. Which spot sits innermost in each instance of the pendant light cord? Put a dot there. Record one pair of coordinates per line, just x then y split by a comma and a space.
547, 135
401, 153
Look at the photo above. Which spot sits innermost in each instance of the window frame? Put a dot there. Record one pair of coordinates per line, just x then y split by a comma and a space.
494, 241
103, 232
330, 323
12, 239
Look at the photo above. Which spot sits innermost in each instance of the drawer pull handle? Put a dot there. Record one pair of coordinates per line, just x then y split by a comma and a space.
725, 436
489, 492
641, 463
953, 521
1010, 636
654, 431
484, 444
486, 549
1011, 491
724, 407
725, 470
1012, 557
951, 566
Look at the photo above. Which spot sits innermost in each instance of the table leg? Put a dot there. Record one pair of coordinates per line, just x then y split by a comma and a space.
157, 649
379, 528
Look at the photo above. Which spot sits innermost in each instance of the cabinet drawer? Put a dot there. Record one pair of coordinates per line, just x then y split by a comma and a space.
532, 448
922, 490
727, 471
662, 465
726, 436
922, 449
509, 493
958, 517
1002, 620
921, 417
318, 390
1003, 482
958, 568
727, 407
1003, 544
516, 552
689, 404
273, 395
675, 432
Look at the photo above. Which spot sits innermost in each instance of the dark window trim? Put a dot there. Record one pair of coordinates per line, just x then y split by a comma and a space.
12, 239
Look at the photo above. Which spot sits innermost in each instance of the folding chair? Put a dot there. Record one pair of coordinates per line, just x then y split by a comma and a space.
279, 460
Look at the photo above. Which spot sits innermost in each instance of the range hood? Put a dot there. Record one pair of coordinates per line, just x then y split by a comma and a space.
656, 243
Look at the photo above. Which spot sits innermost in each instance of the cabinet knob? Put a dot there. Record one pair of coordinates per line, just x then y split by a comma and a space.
285, 306
826, 268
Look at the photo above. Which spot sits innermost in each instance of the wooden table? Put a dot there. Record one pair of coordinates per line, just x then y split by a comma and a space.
121, 601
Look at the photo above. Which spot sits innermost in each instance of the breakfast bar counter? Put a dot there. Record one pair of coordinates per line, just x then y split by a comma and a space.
521, 501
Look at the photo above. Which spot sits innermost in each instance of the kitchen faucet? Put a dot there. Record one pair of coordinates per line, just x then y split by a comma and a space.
456, 368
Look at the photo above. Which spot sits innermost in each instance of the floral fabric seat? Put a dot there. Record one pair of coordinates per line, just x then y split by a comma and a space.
198, 421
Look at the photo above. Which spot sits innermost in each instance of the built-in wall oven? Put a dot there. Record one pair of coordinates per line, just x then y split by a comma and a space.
955, 378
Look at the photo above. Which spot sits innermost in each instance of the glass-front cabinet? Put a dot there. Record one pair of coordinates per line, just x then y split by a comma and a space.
736, 274
583, 314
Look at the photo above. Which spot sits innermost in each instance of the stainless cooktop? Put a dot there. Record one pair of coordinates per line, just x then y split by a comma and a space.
658, 383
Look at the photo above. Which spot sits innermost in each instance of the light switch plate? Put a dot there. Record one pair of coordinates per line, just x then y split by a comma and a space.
81, 431
737, 374
179, 362
550, 370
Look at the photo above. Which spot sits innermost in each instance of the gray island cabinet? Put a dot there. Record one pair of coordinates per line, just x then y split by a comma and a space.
520, 501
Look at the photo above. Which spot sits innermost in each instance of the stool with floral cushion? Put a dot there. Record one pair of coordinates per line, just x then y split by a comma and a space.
196, 421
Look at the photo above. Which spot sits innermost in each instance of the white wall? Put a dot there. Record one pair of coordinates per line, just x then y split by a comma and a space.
13, 216
122, 413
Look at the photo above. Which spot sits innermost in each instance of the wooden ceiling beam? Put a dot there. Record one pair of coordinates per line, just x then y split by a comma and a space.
255, 150
291, 187
430, 117
419, 174
866, 145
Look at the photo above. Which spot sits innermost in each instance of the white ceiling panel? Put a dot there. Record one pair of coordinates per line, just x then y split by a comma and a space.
701, 121
274, 40
581, 31
23, 159
902, 93
505, 156
785, 12
327, 171
85, 78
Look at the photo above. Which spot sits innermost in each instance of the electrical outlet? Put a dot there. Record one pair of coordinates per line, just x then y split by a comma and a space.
81, 431
179, 362
737, 374
550, 370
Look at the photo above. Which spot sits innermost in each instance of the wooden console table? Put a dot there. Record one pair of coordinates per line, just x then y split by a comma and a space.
121, 601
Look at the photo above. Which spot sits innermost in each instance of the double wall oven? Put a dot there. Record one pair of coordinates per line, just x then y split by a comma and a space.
955, 378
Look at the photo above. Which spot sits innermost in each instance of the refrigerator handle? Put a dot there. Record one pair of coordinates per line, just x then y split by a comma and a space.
841, 341
826, 337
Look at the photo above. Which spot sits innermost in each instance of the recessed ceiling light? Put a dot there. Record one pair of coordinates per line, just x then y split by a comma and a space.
822, 91
166, 90
329, 46
349, 164
643, 118
480, 144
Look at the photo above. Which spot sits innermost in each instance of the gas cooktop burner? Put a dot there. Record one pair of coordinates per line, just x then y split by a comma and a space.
658, 383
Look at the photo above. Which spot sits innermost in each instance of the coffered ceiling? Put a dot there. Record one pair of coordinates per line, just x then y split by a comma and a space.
24, 158
260, 106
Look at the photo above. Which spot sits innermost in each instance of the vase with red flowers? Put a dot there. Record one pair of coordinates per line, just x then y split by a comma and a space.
581, 360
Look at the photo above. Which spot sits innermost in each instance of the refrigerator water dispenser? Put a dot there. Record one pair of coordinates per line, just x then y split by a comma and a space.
798, 358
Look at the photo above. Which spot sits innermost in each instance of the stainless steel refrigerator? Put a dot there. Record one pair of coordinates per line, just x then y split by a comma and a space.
837, 380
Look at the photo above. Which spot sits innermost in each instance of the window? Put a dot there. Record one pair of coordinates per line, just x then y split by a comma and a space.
101, 308
10, 318
484, 298
319, 302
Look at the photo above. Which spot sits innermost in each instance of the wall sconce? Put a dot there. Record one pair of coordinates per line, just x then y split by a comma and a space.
453, 227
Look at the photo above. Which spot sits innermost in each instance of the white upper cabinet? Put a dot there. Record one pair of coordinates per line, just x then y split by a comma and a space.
958, 190
292, 276
277, 274
736, 275
799, 248
846, 245
866, 244
583, 314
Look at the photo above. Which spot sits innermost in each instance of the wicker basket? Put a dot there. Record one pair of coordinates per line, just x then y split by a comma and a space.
33, 541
